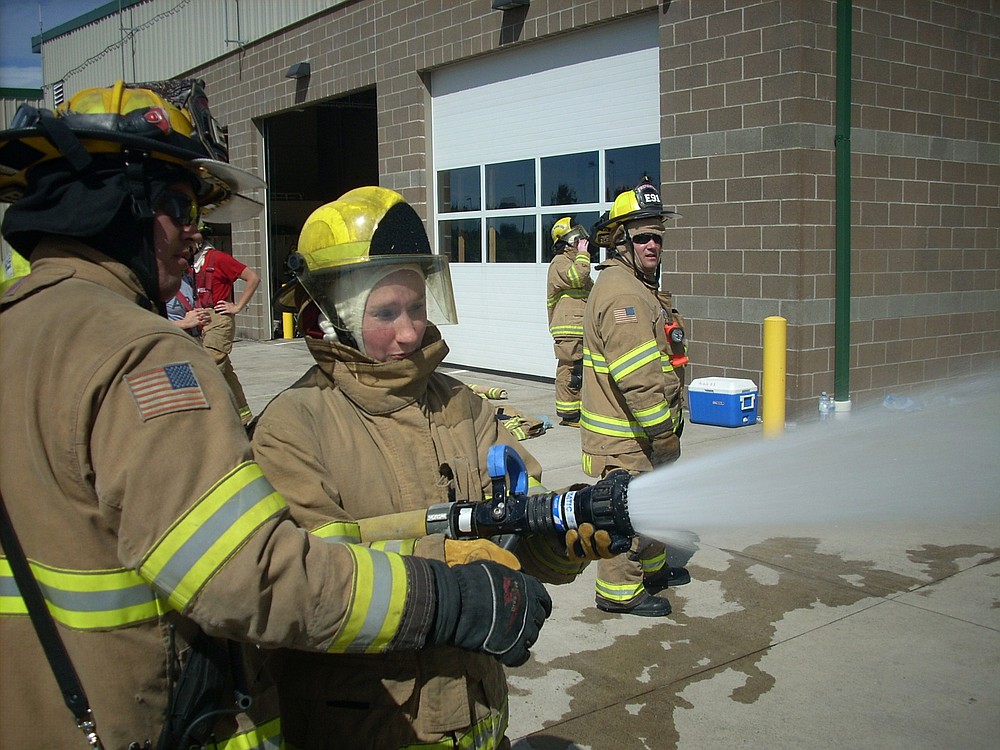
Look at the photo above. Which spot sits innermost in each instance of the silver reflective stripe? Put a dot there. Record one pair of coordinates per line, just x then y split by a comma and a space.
228, 514
378, 605
98, 601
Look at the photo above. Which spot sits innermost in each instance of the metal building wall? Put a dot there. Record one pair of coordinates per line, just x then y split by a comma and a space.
162, 39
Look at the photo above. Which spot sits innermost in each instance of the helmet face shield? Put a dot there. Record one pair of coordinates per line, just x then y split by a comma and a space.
340, 292
349, 245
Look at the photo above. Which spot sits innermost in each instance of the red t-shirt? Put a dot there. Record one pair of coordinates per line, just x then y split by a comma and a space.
216, 277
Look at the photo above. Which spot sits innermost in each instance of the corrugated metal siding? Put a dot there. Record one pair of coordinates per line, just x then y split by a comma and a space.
164, 39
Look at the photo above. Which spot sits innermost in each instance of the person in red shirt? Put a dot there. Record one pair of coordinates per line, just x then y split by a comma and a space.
215, 274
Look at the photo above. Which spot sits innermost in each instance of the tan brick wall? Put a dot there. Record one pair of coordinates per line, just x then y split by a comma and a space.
748, 157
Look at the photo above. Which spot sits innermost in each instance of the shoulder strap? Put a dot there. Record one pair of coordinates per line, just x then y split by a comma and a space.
48, 634
184, 301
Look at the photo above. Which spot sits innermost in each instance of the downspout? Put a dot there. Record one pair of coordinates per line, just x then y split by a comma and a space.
842, 259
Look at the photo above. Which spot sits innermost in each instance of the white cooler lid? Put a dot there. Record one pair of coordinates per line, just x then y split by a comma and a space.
722, 385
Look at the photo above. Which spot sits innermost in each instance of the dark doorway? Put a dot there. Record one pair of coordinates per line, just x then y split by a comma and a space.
315, 154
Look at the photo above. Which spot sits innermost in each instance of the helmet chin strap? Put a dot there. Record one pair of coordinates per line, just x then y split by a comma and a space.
633, 263
144, 264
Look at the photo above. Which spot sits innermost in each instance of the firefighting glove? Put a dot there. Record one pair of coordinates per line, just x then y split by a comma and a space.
461, 551
484, 606
666, 449
586, 543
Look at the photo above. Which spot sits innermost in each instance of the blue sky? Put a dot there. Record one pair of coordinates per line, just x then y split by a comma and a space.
19, 21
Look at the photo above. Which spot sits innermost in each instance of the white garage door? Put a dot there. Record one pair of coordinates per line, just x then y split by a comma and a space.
507, 129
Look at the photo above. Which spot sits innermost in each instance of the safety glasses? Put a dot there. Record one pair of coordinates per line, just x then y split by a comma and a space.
181, 208
642, 239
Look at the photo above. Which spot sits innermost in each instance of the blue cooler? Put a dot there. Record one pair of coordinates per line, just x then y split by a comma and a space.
726, 402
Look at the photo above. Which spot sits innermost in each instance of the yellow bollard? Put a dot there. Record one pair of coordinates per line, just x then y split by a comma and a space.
287, 325
773, 380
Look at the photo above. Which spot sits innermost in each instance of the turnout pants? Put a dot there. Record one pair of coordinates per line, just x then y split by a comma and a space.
569, 377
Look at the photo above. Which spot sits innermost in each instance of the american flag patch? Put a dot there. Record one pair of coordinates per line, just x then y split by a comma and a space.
166, 389
625, 315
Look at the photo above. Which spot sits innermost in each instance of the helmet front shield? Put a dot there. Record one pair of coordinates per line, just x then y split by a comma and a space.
334, 288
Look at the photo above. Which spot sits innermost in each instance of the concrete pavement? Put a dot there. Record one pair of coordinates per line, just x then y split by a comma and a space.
795, 633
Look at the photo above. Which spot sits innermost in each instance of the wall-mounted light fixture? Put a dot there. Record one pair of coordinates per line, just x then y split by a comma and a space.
510, 4
299, 70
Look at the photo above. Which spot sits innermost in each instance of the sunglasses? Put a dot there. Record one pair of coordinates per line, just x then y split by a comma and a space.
642, 239
181, 208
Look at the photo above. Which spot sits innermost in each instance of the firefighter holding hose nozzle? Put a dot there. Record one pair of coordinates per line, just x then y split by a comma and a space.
371, 430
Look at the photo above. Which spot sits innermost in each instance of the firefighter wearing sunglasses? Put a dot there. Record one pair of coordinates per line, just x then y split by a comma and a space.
633, 380
156, 568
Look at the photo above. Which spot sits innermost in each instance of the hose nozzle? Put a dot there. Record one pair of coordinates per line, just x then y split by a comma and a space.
604, 505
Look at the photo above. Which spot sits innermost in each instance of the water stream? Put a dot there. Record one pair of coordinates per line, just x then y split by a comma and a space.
878, 465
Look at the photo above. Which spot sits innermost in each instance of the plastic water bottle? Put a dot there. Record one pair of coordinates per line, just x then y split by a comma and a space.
825, 407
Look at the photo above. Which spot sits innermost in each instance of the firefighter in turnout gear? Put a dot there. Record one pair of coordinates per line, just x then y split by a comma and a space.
368, 292
633, 356
566, 293
153, 560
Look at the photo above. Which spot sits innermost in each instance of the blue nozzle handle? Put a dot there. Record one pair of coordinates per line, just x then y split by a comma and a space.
504, 462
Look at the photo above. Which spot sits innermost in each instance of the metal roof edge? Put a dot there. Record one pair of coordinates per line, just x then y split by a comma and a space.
108, 9
19, 94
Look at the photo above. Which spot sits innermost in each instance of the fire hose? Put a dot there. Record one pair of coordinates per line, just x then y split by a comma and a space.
512, 513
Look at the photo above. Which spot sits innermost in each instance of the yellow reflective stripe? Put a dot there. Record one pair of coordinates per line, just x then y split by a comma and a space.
567, 406
398, 546
85, 599
485, 734
266, 736
11, 603
654, 415
665, 362
575, 277
377, 602
633, 359
552, 301
618, 592
653, 564
595, 361
587, 464
338, 531
611, 426
210, 532
566, 330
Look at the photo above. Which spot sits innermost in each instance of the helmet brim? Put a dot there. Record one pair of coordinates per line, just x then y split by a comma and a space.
605, 232
22, 149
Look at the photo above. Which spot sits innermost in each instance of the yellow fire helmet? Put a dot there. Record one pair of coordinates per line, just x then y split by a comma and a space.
565, 232
364, 235
642, 202
164, 120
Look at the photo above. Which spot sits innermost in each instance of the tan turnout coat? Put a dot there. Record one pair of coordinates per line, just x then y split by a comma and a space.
353, 439
631, 392
142, 493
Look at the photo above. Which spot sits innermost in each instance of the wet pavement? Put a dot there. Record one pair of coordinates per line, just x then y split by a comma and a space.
876, 635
